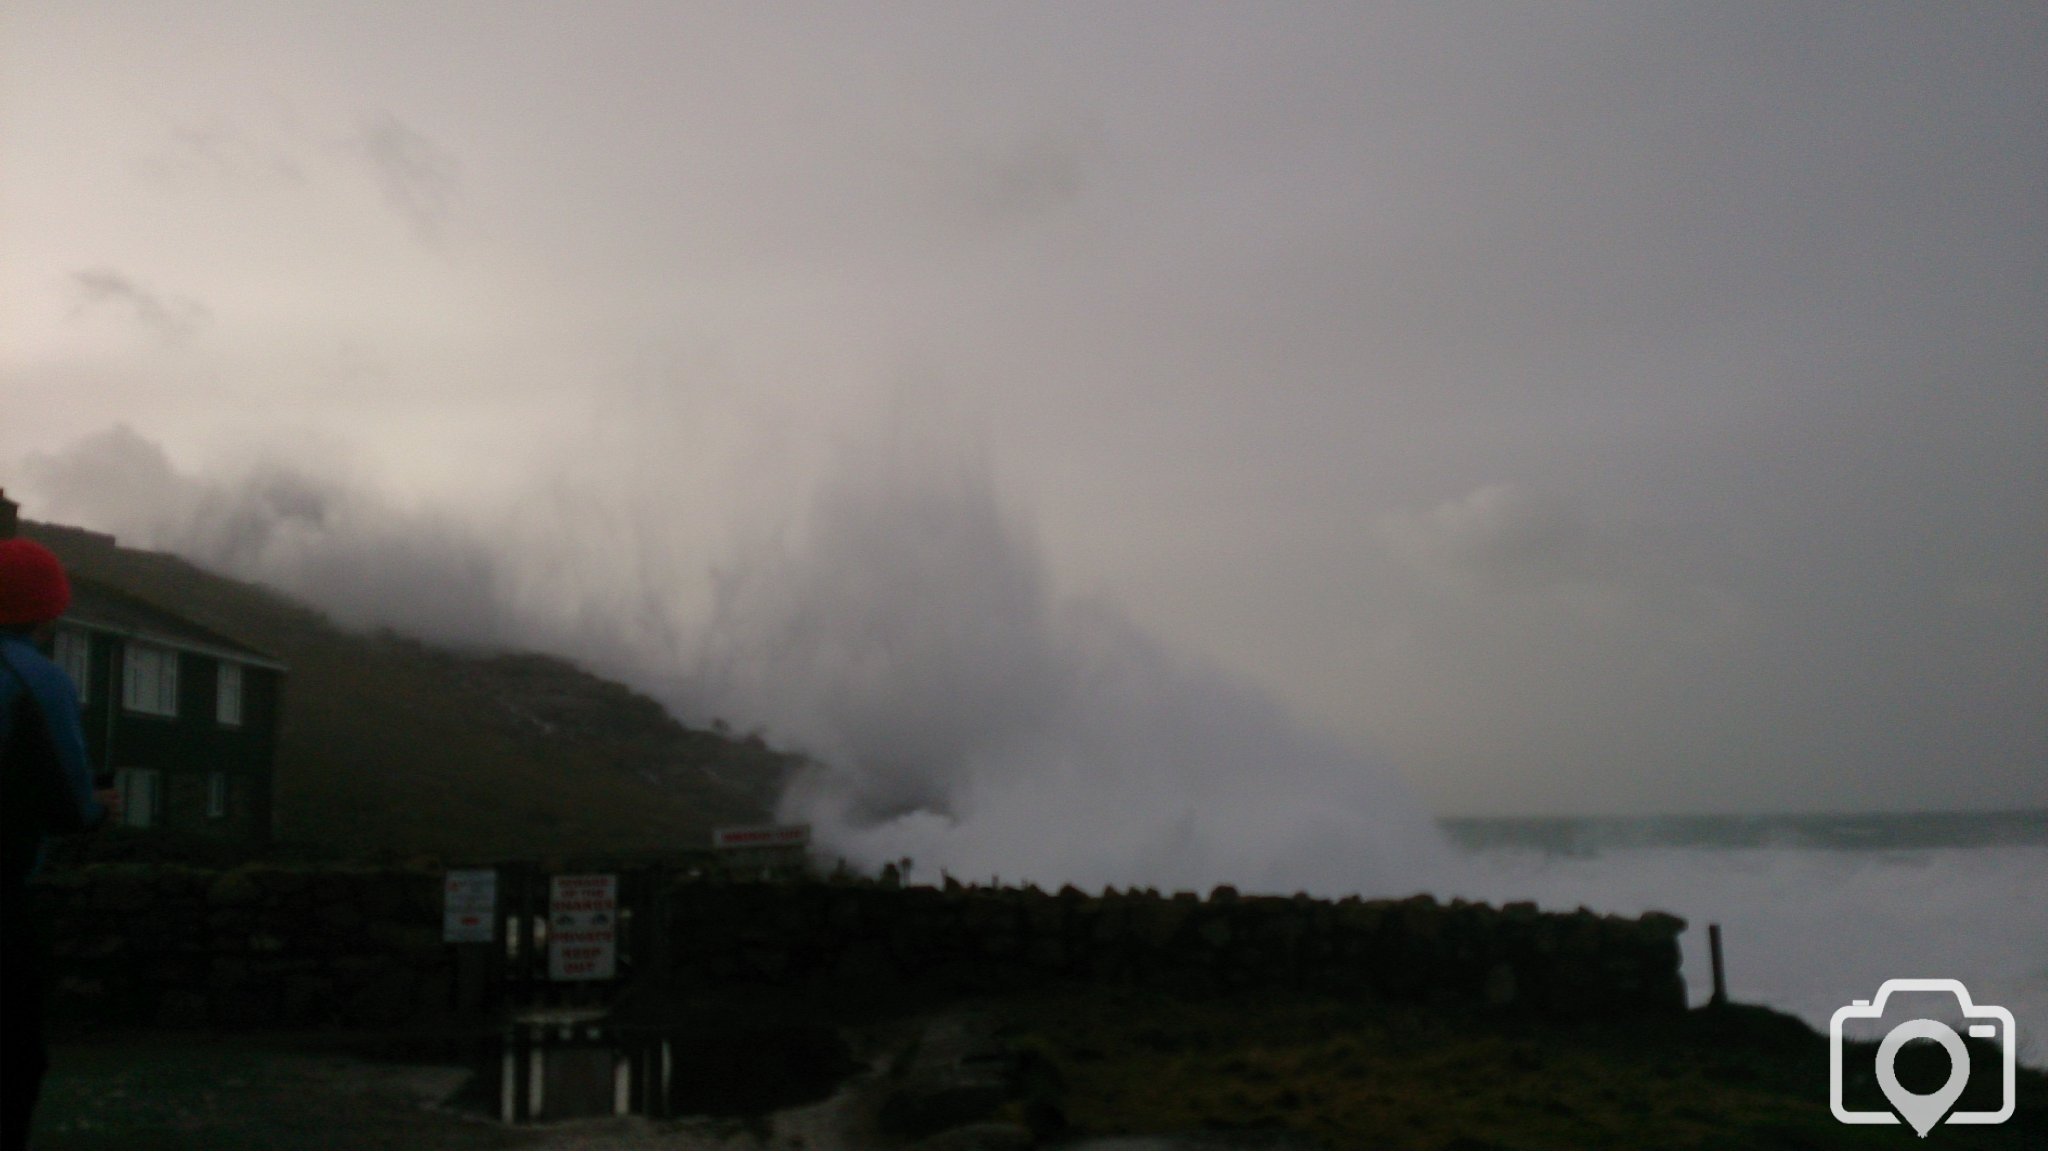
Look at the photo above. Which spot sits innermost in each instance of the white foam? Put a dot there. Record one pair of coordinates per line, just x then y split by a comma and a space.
965, 714
1808, 931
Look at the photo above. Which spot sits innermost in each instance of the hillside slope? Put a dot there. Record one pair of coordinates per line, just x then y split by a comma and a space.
391, 745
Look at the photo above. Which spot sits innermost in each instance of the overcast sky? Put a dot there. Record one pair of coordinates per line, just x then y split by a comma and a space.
1577, 407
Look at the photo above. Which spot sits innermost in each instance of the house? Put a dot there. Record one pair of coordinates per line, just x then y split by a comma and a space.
182, 719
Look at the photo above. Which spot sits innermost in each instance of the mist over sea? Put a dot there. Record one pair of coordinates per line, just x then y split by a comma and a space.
906, 631
1815, 911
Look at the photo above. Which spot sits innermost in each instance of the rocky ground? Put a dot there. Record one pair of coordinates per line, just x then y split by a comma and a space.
1104, 1071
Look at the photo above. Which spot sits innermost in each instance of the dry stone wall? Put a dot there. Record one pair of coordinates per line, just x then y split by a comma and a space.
263, 946
989, 939
253, 947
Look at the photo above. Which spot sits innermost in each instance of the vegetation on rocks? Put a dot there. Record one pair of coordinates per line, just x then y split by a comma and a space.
1355, 1073
391, 747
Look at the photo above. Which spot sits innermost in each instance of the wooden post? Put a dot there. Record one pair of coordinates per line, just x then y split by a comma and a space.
1720, 998
508, 1081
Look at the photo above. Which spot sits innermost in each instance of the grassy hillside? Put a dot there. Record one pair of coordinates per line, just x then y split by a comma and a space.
390, 745
1304, 1071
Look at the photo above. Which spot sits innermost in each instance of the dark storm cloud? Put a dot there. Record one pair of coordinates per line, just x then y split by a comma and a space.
173, 318
420, 178
1039, 172
1599, 405
1502, 537
229, 149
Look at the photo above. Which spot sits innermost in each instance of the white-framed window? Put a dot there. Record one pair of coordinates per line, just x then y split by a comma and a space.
149, 679
141, 795
217, 795
74, 655
228, 700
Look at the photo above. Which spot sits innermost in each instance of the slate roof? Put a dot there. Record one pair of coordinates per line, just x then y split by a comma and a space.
100, 607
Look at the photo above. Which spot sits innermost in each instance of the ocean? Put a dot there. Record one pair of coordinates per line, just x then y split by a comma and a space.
1815, 911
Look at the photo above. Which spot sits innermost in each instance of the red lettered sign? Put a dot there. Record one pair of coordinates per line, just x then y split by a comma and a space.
469, 906
766, 835
583, 918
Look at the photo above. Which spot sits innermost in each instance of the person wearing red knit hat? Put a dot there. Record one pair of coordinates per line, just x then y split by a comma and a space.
33, 590
46, 788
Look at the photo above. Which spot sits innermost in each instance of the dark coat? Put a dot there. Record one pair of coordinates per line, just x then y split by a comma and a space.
46, 785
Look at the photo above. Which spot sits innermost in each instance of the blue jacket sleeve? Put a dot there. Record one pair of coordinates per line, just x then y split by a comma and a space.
57, 699
60, 711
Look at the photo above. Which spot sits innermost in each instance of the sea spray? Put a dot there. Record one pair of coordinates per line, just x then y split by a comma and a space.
1808, 930
962, 714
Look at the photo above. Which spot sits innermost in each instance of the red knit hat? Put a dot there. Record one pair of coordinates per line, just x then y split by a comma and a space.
32, 584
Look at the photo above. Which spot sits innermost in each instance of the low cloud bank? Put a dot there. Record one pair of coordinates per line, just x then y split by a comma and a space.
302, 525
901, 628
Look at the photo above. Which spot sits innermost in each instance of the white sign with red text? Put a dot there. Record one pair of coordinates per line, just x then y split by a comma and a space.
469, 906
583, 919
767, 835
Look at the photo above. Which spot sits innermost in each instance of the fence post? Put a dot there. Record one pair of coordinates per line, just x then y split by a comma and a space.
1720, 998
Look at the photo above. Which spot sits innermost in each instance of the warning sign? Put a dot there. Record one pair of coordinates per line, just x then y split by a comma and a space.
783, 835
469, 906
583, 916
